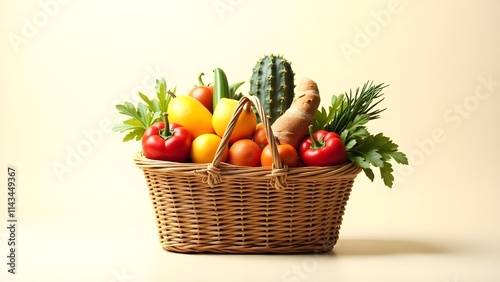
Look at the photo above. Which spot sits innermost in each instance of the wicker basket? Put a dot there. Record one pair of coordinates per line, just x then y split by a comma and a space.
222, 208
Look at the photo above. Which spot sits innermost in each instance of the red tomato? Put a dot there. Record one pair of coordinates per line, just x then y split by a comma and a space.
204, 94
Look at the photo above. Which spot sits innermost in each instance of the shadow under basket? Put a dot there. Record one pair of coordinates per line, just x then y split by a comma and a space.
223, 208
244, 213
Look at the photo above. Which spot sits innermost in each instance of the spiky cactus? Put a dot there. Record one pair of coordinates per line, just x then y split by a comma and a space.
273, 82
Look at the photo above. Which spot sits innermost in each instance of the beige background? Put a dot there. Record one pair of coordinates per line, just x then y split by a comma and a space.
65, 64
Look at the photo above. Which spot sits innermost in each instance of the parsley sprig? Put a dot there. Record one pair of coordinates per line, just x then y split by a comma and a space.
348, 116
145, 114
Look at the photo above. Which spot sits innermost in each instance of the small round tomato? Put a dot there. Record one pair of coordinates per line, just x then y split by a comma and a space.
288, 155
244, 152
204, 94
259, 136
204, 147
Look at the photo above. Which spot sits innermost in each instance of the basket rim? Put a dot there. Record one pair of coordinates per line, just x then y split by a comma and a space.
226, 170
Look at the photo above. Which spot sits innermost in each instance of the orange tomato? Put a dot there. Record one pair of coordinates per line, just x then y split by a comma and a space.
259, 136
244, 152
204, 147
288, 155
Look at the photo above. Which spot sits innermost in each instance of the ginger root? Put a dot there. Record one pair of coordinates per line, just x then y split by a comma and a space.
293, 126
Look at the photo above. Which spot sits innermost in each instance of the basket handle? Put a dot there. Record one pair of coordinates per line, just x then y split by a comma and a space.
278, 170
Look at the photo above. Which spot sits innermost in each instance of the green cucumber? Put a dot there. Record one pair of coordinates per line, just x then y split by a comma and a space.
221, 86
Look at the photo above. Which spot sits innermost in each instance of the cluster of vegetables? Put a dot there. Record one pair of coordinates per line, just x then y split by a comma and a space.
189, 128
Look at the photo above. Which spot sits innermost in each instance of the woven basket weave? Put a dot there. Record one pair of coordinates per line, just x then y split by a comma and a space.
222, 208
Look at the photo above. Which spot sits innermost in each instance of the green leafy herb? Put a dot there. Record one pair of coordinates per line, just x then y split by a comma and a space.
345, 107
367, 150
145, 114
233, 88
348, 115
323, 116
